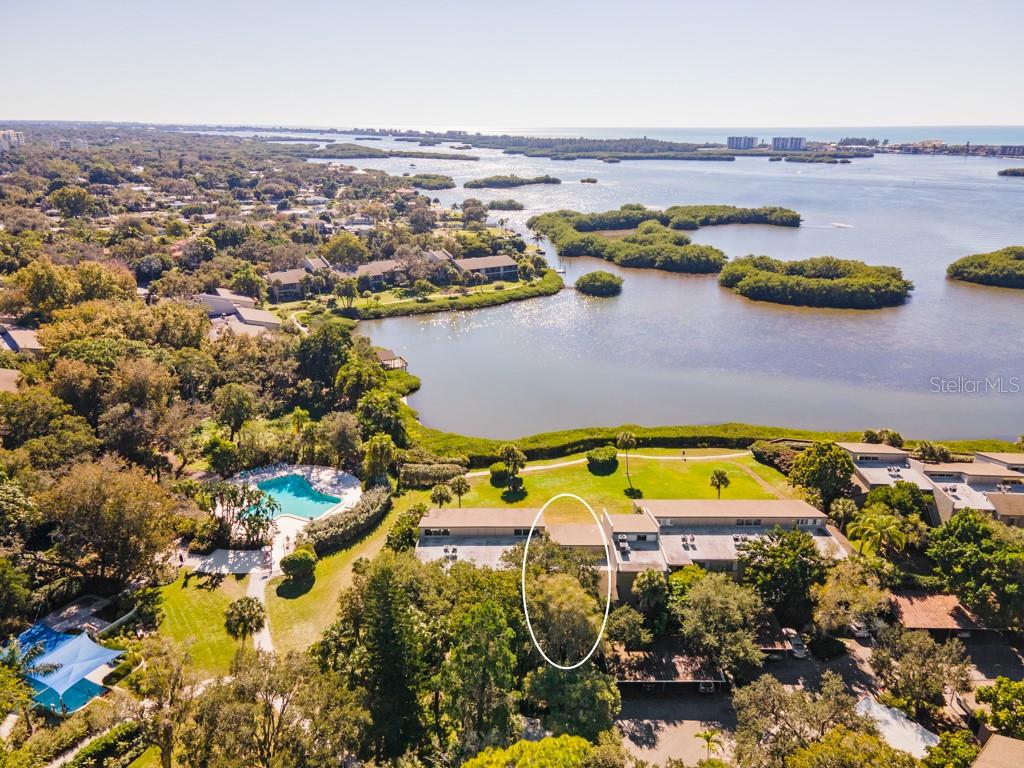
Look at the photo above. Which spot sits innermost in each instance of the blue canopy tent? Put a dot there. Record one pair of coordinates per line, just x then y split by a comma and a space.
73, 659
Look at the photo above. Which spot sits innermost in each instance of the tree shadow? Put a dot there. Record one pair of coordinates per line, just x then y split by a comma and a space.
207, 581
289, 589
633, 493
603, 470
512, 495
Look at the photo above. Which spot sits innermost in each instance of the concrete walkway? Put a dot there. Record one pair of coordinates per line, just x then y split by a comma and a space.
258, 588
573, 462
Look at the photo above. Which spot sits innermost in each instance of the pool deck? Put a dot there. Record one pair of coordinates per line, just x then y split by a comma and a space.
327, 480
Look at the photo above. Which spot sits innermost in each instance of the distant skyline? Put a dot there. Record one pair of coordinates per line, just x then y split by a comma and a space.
489, 66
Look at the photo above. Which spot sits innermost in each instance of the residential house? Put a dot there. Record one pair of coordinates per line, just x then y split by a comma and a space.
258, 317
389, 360
286, 284
939, 614
500, 267
1014, 461
1000, 752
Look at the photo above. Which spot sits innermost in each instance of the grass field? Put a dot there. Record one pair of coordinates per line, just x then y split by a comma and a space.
148, 759
298, 620
614, 234
654, 478
194, 618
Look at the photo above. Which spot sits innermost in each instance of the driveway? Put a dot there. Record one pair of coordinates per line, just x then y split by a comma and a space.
662, 727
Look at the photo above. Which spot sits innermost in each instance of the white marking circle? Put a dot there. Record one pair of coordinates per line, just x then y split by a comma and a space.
608, 570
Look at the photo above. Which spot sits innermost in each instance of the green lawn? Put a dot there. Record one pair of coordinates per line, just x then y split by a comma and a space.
656, 479
148, 759
194, 618
298, 620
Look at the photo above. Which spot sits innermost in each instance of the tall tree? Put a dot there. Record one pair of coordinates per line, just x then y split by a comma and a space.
244, 617
719, 480
919, 670
166, 685
826, 468
626, 441
782, 566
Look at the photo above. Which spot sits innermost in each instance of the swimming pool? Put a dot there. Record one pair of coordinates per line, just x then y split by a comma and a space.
297, 497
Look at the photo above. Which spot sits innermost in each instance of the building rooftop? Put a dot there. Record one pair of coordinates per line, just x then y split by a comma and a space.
635, 523
481, 517
485, 262
22, 339
235, 298
251, 315
1001, 458
1000, 752
639, 556
485, 551
576, 534
1008, 504
877, 449
921, 611
9, 379
727, 508
219, 325
666, 661
881, 473
377, 268
970, 469
287, 276
726, 542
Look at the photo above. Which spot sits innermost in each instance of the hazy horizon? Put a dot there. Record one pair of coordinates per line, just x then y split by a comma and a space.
655, 63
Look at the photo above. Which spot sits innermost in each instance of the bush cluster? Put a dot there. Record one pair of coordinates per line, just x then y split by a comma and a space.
118, 746
819, 282
298, 565
776, 455
329, 534
499, 473
1003, 268
599, 283
602, 460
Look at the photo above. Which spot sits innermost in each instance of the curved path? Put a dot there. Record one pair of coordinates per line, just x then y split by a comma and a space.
572, 462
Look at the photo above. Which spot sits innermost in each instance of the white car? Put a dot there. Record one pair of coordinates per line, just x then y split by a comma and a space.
796, 643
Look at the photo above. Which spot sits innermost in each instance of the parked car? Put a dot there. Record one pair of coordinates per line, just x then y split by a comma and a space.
796, 643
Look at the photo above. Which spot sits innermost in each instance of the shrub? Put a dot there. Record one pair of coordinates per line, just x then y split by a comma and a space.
428, 475
298, 565
499, 474
118, 746
331, 533
1003, 268
826, 647
599, 283
603, 460
776, 455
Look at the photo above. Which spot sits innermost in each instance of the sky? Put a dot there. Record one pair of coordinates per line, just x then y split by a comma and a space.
515, 64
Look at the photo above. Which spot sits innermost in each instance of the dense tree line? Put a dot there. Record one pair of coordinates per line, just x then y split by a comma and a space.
503, 182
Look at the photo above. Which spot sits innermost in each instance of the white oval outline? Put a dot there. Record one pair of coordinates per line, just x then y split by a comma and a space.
608, 570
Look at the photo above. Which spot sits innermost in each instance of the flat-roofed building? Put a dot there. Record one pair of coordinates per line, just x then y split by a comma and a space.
877, 465
742, 142
967, 484
1014, 461
712, 533
21, 340
479, 535
1012, 150
789, 143
635, 543
260, 317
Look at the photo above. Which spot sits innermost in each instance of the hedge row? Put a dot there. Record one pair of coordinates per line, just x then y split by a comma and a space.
550, 283
331, 533
482, 452
116, 748
776, 455
428, 475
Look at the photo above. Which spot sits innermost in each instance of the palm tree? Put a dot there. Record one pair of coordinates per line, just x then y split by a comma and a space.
22, 664
625, 442
711, 740
878, 526
842, 511
441, 494
244, 618
719, 480
459, 486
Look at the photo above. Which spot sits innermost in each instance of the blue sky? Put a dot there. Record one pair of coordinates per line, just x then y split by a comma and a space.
521, 63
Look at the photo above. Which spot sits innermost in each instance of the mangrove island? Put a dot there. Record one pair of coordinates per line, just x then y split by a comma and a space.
1003, 268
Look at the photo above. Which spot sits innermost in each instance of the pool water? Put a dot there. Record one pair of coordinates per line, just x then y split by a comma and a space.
75, 697
297, 497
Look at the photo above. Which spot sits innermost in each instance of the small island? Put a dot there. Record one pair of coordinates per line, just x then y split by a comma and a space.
823, 281
588, 180
1003, 268
638, 236
599, 283
430, 181
1012, 172
504, 182
505, 205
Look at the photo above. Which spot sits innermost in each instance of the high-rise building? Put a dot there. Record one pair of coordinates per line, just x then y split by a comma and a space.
789, 143
742, 142
1012, 150
11, 139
